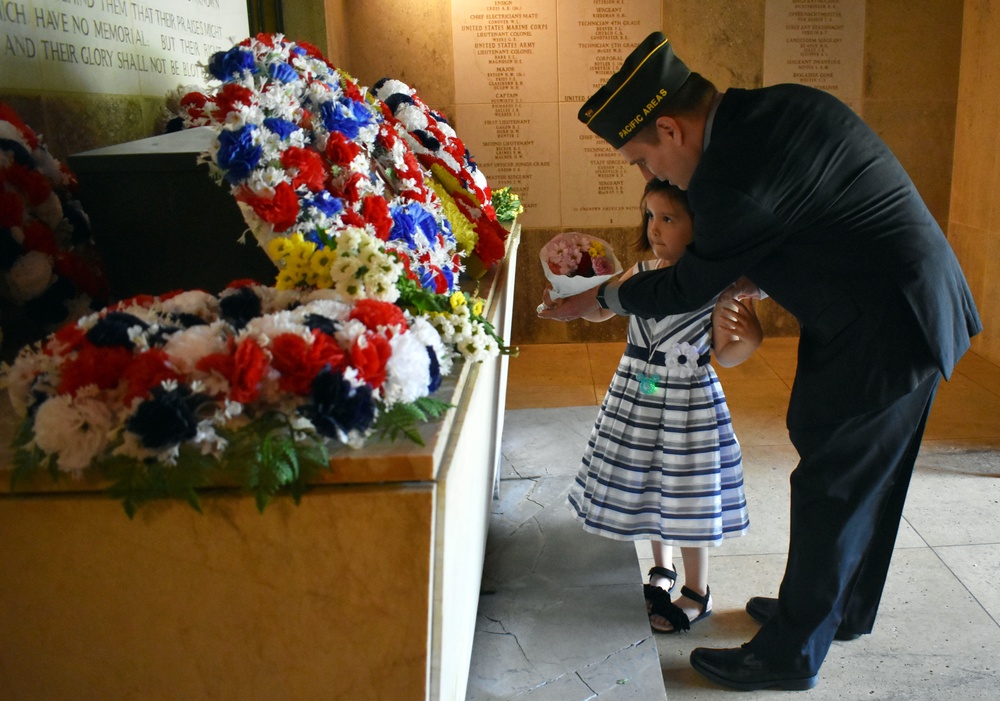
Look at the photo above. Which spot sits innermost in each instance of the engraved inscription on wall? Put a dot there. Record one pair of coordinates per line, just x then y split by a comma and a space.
123, 47
816, 43
523, 68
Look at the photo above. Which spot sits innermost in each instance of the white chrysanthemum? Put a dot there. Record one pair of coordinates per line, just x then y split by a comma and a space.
187, 347
264, 328
349, 332
30, 276
424, 330
208, 441
49, 212
407, 370
325, 303
412, 117
74, 429
195, 302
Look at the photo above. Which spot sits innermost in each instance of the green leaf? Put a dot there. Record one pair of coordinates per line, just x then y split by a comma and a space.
402, 418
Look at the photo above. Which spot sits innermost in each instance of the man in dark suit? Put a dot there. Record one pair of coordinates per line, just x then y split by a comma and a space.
792, 191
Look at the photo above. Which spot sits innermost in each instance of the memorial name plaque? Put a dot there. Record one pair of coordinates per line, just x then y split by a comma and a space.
505, 94
595, 36
816, 43
523, 68
121, 47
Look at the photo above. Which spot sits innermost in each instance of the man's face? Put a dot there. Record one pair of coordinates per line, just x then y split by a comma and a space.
659, 155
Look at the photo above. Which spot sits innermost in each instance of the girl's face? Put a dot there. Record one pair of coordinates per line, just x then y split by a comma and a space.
668, 226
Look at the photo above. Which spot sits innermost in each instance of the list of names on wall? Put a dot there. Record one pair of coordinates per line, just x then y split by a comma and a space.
114, 46
505, 87
595, 37
522, 70
816, 43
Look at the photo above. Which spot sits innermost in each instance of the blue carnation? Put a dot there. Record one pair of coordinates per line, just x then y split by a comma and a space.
238, 155
403, 226
166, 419
346, 116
282, 72
337, 407
325, 202
225, 64
112, 330
427, 279
425, 222
282, 127
435, 371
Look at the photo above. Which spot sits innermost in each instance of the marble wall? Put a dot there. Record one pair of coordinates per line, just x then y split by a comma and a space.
974, 219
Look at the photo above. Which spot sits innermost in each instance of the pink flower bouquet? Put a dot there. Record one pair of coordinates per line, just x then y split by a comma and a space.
574, 262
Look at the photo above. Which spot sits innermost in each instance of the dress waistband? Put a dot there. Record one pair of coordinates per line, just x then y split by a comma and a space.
659, 357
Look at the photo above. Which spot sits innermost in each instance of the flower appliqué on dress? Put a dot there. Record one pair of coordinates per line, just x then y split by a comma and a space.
685, 360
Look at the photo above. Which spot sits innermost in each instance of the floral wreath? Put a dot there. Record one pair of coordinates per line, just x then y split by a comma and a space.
49, 268
322, 173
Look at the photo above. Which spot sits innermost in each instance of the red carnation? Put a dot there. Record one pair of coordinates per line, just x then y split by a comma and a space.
376, 212
307, 167
369, 354
299, 361
249, 366
281, 210
146, 371
39, 237
11, 209
92, 365
374, 313
230, 97
35, 186
341, 151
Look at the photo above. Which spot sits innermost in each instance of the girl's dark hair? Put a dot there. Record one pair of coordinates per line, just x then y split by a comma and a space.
676, 194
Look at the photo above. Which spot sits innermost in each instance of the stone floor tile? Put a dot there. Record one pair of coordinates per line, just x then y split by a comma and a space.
978, 569
954, 499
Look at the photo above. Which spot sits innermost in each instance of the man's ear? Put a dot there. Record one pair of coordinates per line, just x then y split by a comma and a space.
669, 128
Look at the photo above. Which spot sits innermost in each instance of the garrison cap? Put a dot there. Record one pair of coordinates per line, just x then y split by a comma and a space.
633, 96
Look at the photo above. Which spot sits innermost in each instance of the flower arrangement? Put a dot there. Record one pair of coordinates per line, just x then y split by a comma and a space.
323, 173
163, 394
506, 204
574, 262
49, 268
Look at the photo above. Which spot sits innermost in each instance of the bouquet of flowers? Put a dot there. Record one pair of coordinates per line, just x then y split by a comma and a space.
161, 394
574, 262
49, 268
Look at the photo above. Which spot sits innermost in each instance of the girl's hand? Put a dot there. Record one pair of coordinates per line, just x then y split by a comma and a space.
738, 318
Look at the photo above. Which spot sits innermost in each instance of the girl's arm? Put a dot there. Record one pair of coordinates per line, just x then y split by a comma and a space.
605, 314
736, 330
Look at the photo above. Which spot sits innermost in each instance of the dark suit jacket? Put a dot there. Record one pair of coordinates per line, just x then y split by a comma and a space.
798, 194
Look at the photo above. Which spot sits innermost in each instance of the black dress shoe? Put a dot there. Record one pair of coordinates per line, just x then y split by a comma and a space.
739, 668
761, 608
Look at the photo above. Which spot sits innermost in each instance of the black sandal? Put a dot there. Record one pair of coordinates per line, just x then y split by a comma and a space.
676, 616
655, 593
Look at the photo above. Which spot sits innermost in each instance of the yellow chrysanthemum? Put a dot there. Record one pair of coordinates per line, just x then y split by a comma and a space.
457, 299
461, 227
278, 248
596, 249
477, 307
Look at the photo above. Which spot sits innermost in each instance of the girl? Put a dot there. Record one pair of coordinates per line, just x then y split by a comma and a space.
662, 462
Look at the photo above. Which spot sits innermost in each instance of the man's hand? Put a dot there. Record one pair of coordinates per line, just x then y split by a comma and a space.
569, 308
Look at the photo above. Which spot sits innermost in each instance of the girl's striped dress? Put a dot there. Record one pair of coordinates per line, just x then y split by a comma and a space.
662, 462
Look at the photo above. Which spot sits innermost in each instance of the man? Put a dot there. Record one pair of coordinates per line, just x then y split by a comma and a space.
789, 188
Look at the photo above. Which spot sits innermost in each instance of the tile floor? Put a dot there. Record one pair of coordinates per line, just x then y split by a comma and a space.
938, 631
